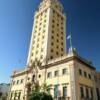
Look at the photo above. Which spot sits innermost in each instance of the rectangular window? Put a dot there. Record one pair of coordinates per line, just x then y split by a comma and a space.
56, 73
64, 91
87, 93
82, 92
89, 76
49, 75
98, 93
19, 95
56, 91
15, 96
51, 57
95, 78
62, 49
91, 94
85, 74
21, 80
28, 79
17, 81
64, 71
80, 72
11, 96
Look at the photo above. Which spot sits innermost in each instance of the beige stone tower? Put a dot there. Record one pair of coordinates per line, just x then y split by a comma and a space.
70, 77
48, 39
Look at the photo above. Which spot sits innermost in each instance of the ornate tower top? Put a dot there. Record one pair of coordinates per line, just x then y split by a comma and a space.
56, 4
49, 32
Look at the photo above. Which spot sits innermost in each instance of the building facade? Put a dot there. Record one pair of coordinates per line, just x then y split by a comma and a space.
70, 76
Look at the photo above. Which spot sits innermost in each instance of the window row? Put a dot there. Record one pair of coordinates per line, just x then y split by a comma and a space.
38, 41
41, 56
37, 52
61, 37
51, 57
39, 35
38, 45
17, 82
56, 73
57, 52
84, 73
52, 43
97, 79
56, 25
57, 91
43, 13
58, 28
39, 30
57, 15
88, 75
61, 33
41, 18
15, 95
86, 92
57, 22
40, 26
40, 22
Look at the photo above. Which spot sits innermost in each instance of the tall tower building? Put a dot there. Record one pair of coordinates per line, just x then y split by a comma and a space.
70, 77
48, 39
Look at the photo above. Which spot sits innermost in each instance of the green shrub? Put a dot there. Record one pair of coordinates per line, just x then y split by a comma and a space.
40, 96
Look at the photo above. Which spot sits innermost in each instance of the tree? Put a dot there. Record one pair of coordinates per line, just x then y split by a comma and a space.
40, 93
45, 87
47, 97
0, 94
40, 96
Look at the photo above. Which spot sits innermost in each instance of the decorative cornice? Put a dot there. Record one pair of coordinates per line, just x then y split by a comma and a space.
61, 61
66, 60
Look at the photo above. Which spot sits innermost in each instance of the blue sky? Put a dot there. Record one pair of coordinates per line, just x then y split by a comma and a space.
16, 20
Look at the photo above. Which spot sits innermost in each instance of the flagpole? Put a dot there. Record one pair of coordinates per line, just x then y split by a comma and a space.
71, 46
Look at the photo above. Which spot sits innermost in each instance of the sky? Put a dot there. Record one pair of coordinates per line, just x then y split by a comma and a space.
16, 22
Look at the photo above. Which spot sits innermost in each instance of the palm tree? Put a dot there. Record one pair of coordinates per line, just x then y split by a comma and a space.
46, 88
40, 93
